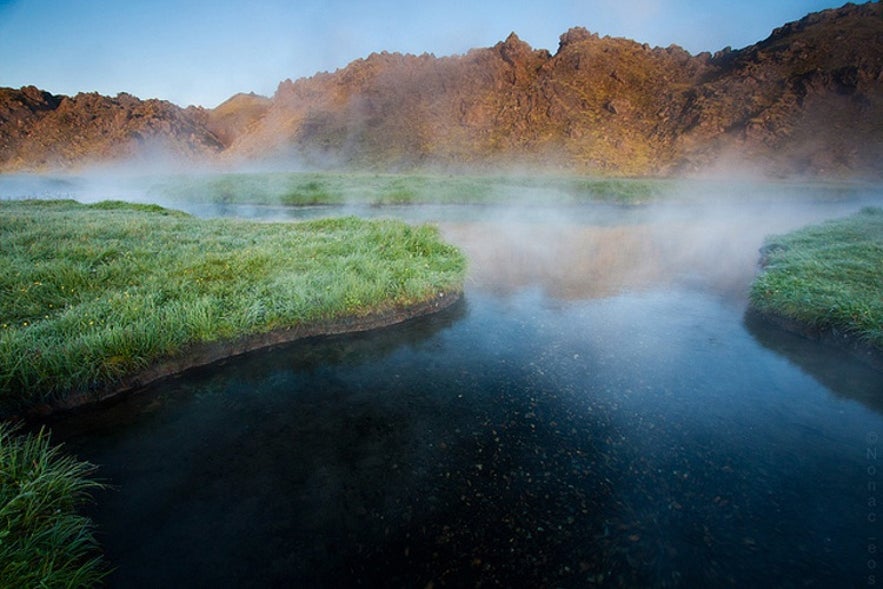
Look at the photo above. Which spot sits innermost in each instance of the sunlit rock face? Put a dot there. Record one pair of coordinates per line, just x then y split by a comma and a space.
808, 100
40, 131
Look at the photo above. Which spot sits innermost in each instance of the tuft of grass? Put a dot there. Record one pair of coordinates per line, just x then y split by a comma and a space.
91, 293
44, 541
827, 276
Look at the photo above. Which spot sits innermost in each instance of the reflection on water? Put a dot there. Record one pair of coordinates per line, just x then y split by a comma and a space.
596, 251
561, 427
638, 440
829, 364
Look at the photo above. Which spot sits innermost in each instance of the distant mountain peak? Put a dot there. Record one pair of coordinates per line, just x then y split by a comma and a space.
575, 35
807, 100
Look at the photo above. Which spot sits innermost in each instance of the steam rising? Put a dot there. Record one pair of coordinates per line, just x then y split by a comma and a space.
700, 234
599, 251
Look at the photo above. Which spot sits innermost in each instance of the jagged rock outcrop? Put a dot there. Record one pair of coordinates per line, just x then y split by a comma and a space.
41, 131
807, 100
584, 108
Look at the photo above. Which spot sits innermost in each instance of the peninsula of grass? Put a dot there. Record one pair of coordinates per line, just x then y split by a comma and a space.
826, 280
93, 294
44, 541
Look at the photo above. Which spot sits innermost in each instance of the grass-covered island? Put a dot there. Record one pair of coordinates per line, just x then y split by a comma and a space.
826, 281
44, 542
98, 298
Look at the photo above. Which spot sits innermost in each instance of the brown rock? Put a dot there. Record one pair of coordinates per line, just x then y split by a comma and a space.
806, 100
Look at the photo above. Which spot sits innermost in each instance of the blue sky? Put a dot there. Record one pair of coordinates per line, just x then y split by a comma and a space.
202, 52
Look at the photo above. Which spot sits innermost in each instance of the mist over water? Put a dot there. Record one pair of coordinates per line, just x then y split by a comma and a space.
597, 250
595, 412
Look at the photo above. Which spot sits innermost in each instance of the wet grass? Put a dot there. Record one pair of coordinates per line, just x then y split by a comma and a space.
92, 293
44, 541
827, 276
376, 189
364, 188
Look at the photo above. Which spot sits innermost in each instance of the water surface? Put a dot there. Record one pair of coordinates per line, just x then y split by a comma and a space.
596, 412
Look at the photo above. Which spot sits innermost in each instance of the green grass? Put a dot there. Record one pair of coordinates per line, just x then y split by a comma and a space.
313, 188
92, 293
44, 542
376, 189
827, 276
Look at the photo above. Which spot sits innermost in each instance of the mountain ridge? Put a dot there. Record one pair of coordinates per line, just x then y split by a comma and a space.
807, 100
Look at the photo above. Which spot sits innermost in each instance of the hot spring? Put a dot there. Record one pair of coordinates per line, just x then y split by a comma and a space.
596, 411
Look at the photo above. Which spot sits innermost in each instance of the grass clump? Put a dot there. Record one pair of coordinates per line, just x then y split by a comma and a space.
44, 542
827, 277
92, 293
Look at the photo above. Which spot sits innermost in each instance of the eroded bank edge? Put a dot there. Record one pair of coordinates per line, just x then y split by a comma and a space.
200, 355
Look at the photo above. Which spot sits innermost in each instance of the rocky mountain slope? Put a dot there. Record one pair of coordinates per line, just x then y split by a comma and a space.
41, 131
807, 100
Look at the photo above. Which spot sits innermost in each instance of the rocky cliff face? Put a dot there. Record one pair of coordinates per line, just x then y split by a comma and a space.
42, 131
807, 100
595, 105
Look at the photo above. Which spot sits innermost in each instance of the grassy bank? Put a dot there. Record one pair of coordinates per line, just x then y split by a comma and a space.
376, 189
365, 188
44, 542
91, 293
827, 277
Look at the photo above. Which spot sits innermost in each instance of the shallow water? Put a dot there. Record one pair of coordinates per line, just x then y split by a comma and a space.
596, 412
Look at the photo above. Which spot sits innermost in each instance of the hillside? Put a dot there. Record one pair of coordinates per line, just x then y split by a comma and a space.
42, 131
808, 100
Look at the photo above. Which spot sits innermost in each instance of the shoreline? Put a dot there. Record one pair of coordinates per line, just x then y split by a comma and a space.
110, 296
204, 354
864, 352
820, 282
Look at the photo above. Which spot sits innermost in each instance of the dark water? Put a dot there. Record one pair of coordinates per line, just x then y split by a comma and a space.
597, 411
